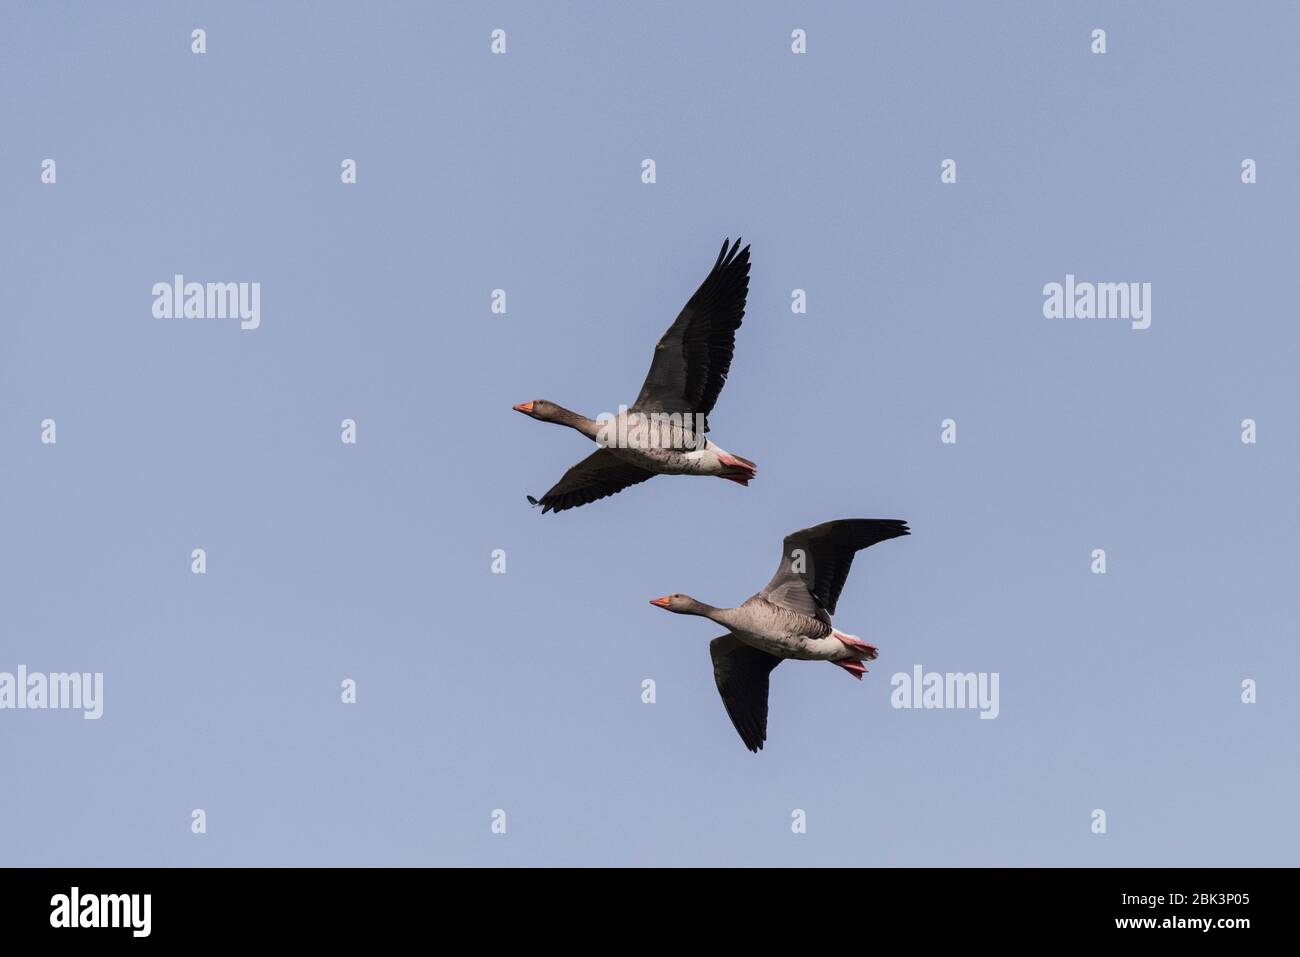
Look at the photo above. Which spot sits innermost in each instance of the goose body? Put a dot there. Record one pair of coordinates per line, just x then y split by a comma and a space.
789, 619
662, 433
784, 633
665, 448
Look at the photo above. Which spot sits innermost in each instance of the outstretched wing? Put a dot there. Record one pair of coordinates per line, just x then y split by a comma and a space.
741, 673
815, 562
600, 474
692, 359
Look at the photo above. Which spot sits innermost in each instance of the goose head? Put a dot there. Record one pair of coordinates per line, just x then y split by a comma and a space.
681, 604
541, 409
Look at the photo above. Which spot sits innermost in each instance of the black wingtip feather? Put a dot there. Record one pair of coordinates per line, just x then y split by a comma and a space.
722, 255
732, 255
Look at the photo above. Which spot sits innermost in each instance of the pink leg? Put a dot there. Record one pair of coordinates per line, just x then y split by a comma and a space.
736, 469
857, 645
853, 666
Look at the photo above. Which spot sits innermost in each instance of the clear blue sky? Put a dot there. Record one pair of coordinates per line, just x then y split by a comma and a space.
522, 691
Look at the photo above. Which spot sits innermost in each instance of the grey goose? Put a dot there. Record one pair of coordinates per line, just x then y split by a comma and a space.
789, 618
661, 433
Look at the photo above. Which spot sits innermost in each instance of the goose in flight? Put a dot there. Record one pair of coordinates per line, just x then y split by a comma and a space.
789, 618
662, 432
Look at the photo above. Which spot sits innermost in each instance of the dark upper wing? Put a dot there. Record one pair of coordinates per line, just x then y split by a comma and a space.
815, 562
741, 673
692, 359
600, 474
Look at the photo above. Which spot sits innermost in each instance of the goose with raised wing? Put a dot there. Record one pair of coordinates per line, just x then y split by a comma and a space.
662, 432
789, 618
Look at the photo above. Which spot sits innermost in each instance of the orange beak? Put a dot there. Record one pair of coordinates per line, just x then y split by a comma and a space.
660, 602
524, 407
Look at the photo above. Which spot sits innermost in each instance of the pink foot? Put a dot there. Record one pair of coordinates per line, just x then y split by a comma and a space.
736, 469
857, 645
853, 666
